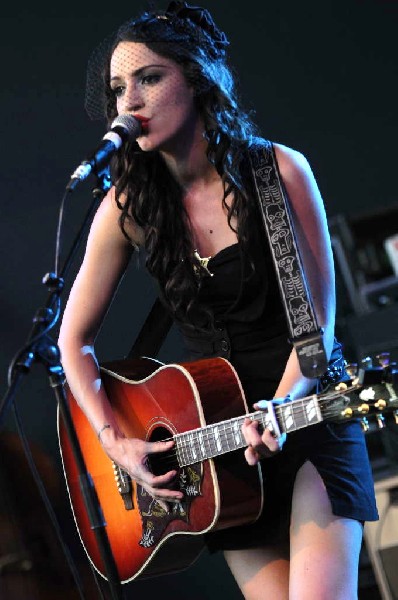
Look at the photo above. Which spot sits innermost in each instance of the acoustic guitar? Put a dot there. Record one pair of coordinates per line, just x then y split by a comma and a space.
201, 406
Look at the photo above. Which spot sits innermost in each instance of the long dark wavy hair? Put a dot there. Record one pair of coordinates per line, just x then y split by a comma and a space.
188, 36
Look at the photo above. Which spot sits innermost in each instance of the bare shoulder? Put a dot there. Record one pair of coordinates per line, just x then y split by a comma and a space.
292, 163
299, 180
302, 189
106, 223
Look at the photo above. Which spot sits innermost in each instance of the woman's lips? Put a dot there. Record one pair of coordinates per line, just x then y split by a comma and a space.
144, 122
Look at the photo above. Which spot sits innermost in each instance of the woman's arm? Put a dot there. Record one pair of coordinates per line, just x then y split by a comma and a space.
313, 239
310, 224
105, 261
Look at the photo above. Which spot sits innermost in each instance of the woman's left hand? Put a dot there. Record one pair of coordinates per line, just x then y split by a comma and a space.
261, 445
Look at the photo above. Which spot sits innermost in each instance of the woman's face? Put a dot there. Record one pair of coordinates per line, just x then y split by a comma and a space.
153, 89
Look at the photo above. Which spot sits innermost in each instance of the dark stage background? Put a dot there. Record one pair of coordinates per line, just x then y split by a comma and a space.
321, 77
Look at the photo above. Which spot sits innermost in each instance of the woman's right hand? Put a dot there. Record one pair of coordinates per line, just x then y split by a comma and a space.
132, 454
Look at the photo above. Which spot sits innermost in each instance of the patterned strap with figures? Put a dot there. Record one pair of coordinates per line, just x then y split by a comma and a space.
305, 333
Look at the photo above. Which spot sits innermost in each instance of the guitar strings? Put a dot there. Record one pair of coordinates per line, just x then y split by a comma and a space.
227, 430
227, 426
172, 458
225, 434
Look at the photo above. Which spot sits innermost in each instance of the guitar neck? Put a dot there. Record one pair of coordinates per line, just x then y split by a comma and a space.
225, 436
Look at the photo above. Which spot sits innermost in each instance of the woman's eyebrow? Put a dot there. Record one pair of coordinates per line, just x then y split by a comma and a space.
139, 71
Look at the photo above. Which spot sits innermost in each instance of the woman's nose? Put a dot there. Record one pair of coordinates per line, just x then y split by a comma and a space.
132, 100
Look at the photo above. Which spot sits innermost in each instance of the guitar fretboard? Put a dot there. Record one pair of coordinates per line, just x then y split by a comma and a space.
217, 439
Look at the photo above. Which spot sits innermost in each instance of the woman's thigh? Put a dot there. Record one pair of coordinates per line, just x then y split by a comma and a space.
324, 549
261, 572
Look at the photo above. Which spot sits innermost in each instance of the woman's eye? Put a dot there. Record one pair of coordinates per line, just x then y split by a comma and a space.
150, 79
118, 91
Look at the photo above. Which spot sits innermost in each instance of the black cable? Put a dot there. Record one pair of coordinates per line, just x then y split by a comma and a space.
58, 238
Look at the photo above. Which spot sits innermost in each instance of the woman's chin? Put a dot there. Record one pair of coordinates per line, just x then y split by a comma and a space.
145, 144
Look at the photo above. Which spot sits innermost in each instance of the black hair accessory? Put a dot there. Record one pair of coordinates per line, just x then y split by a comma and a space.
200, 17
190, 27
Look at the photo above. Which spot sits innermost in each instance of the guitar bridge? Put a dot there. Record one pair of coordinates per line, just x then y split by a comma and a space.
124, 486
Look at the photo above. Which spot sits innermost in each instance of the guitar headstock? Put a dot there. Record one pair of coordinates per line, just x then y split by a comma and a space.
371, 395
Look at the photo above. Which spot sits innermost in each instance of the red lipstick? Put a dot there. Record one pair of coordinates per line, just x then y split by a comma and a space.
144, 122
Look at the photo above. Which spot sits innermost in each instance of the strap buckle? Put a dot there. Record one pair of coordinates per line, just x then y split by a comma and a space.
311, 354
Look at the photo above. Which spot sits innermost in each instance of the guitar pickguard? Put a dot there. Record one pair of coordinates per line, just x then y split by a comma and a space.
155, 519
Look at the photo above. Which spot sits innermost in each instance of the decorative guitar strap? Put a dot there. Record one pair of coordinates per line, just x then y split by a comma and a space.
305, 334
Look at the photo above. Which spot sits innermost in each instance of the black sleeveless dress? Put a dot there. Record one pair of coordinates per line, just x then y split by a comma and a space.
251, 332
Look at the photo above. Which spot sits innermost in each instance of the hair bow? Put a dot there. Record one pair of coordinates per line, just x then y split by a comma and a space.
200, 17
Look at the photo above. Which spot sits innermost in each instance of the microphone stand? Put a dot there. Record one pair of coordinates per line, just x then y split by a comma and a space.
39, 347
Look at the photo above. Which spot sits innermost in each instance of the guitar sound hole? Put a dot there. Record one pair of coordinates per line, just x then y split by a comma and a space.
162, 462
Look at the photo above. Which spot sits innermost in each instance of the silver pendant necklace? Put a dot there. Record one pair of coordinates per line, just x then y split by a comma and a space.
202, 264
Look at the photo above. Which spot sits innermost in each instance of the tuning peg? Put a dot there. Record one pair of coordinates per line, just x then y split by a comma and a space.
384, 359
352, 369
341, 387
348, 413
380, 404
395, 413
365, 424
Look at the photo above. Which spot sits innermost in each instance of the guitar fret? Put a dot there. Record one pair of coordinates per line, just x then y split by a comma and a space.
188, 449
312, 411
180, 449
266, 421
202, 444
299, 413
214, 440
209, 442
192, 447
287, 416
226, 437
217, 439
237, 433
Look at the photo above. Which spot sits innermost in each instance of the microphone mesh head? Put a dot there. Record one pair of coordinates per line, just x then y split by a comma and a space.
130, 124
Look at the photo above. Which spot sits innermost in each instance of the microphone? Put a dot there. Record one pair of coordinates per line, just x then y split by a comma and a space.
124, 127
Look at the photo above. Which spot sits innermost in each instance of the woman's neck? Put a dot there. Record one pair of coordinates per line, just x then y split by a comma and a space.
190, 166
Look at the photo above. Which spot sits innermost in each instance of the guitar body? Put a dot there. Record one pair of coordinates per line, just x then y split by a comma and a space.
154, 401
